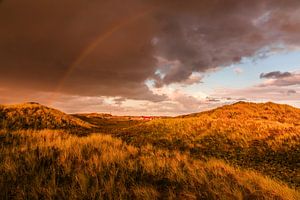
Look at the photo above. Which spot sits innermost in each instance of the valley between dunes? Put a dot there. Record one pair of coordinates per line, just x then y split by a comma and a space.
239, 151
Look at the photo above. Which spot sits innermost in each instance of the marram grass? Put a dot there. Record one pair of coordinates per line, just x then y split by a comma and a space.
56, 165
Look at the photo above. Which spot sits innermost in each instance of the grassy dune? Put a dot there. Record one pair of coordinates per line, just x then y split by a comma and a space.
106, 123
57, 165
36, 116
264, 137
224, 153
256, 111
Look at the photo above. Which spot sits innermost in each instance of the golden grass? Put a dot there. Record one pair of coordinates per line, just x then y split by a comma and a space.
56, 165
264, 137
36, 116
109, 124
257, 111
174, 158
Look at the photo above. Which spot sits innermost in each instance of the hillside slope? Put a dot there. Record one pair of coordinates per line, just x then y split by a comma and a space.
36, 116
107, 123
254, 111
264, 137
57, 165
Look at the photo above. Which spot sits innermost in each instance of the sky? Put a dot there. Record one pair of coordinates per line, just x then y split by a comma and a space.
149, 57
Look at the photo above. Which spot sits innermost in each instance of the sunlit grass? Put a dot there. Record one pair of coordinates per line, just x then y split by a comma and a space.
55, 164
200, 156
36, 116
264, 137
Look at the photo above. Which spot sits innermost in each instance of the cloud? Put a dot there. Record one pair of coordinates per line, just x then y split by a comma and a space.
119, 101
201, 36
277, 78
41, 40
290, 92
194, 78
281, 87
238, 70
258, 93
275, 75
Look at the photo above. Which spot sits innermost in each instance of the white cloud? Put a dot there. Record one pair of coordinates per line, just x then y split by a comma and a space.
194, 78
238, 70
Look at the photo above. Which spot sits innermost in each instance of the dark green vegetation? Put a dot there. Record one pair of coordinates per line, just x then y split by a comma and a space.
220, 154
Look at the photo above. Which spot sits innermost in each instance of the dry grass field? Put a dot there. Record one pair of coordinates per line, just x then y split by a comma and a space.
106, 123
56, 165
264, 137
240, 151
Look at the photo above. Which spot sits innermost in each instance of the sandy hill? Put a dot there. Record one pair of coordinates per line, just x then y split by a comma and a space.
93, 115
37, 116
264, 137
240, 151
255, 111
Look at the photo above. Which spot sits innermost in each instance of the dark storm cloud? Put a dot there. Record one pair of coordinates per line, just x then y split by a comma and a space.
277, 78
207, 34
275, 75
39, 41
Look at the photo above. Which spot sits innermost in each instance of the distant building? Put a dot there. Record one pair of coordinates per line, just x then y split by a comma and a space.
147, 118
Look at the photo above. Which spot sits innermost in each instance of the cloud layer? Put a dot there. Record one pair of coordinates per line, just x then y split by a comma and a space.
278, 78
275, 75
110, 48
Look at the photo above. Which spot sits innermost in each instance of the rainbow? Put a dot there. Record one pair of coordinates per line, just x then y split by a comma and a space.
94, 44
